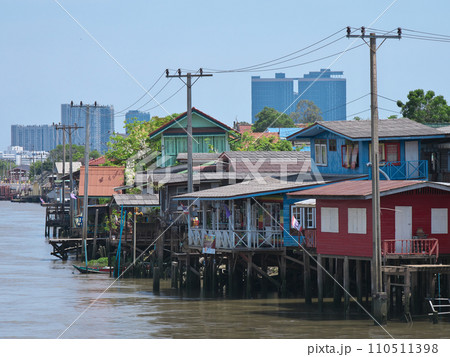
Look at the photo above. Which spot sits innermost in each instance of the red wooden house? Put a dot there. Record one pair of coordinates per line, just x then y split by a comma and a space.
414, 218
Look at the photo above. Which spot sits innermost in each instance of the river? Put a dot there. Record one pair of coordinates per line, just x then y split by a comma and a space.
43, 297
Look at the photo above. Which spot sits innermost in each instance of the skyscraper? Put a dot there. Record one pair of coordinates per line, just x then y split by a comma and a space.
326, 88
101, 124
34, 137
132, 115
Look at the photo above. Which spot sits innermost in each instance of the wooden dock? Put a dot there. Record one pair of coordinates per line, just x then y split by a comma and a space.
62, 246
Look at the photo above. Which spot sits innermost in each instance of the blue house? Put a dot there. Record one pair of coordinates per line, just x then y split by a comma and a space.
343, 147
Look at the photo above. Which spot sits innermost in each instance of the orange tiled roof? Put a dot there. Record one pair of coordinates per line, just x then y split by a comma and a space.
97, 162
102, 180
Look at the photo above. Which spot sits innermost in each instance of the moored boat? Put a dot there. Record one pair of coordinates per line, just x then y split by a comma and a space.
84, 270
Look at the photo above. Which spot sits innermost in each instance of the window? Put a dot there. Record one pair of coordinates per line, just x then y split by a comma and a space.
306, 216
388, 152
320, 150
330, 219
332, 145
357, 219
350, 155
439, 221
392, 152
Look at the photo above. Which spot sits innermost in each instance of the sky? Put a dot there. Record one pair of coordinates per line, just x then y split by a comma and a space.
111, 51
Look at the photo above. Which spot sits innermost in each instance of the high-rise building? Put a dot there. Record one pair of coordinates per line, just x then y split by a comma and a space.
34, 137
101, 124
137, 115
326, 89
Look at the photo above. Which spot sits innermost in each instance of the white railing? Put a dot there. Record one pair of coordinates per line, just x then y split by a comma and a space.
237, 239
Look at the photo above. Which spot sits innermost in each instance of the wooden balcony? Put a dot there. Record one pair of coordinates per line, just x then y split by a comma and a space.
403, 170
410, 248
236, 239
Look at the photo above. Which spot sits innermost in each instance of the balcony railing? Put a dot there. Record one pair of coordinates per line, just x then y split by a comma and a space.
403, 170
237, 239
428, 247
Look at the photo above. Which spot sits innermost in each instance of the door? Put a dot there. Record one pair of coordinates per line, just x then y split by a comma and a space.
412, 159
403, 228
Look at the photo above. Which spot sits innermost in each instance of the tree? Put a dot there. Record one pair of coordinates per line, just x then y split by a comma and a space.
77, 153
306, 112
38, 167
269, 117
121, 148
247, 142
425, 107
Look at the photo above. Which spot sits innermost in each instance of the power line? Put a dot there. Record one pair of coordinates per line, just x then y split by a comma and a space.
143, 95
428, 33
276, 59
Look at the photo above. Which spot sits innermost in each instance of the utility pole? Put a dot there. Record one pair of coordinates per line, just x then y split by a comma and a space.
86, 180
379, 298
189, 85
69, 129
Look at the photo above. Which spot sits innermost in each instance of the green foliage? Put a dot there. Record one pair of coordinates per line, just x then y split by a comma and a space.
5, 166
121, 148
270, 118
249, 143
100, 262
39, 167
425, 107
306, 112
77, 153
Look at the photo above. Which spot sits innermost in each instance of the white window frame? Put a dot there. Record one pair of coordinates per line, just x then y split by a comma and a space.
329, 217
321, 152
439, 221
357, 221
306, 216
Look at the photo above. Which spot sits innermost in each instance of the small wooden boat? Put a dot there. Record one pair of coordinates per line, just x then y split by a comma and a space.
95, 270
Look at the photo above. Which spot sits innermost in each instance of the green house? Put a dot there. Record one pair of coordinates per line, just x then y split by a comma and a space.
209, 135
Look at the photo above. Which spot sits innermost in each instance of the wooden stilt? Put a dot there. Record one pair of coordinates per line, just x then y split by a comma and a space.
230, 268
336, 288
329, 283
283, 275
174, 275
263, 280
307, 278
249, 275
407, 295
359, 287
319, 282
346, 286
156, 277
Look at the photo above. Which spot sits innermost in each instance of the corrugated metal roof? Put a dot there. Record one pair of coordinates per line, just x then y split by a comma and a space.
102, 180
361, 129
136, 200
198, 157
59, 166
363, 189
277, 162
262, 185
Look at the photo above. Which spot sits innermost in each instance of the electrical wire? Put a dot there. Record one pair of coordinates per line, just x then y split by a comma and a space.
276, 59
143, 95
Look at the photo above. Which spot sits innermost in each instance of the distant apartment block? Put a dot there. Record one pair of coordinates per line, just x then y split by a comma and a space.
137, 115
101, 124
326, 88
34, 137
